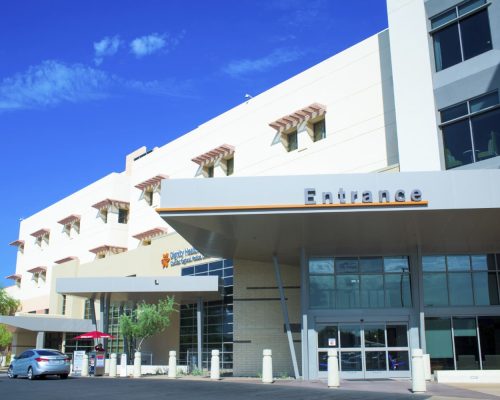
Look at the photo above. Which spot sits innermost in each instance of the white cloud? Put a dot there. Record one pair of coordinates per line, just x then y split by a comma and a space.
150, 44
105, 48
279, 56
52, 82
146, 45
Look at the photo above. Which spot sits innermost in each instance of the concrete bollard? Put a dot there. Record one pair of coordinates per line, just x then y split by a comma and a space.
106, 366
417, 371
267, 366
333, 369
112, 365
172, 364
123, 366
214, 365
85, 366
427, 367
137, 364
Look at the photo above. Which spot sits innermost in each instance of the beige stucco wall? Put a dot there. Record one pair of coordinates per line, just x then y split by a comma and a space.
258, 317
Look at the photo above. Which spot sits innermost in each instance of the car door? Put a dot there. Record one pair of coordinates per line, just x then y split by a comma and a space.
17, 363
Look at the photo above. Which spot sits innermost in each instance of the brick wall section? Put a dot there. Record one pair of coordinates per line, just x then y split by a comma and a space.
261, 321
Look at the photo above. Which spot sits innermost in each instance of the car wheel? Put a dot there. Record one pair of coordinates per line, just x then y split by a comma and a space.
10, 374
30, 374
63, 376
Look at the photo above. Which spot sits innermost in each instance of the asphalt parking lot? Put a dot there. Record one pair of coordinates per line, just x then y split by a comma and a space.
179, 389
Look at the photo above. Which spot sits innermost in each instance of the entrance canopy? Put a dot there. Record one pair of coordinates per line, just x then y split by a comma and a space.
378, 213
184, 288
44, 323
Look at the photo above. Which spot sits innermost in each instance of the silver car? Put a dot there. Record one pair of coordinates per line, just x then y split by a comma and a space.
39, 363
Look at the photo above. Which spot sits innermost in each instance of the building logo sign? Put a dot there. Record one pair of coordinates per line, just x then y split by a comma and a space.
165, 261
181, 257
355, 198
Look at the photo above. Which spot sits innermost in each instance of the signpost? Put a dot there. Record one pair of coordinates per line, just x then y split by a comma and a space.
78, 362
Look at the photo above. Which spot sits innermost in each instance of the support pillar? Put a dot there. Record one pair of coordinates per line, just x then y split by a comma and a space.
199, 331
284, 310
304, 305
40, 340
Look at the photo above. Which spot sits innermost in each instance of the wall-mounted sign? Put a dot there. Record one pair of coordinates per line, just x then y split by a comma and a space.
363, 197
181, 257
332, 342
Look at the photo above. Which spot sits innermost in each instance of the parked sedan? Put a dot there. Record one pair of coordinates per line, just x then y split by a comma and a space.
39, 363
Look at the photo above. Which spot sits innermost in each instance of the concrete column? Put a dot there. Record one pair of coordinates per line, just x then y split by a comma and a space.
199, 331
333, 369
267, 366
214, 365
40, 340
417, 371
85, 366
304, 305
137, 364
112, 366
63, 344
172, 364
123, 366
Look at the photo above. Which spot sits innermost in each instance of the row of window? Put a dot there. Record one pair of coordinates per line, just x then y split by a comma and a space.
384, 282
318, 132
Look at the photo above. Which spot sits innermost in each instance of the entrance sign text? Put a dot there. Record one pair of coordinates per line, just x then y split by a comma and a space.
312, 197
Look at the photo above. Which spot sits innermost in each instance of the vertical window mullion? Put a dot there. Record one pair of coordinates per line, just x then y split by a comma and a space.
479, 344
453, 344
460, 39
472, 140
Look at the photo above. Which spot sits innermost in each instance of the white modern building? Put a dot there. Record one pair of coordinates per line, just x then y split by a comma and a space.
354, 206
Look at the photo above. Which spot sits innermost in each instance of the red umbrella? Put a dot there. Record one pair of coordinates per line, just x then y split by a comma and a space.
94, 335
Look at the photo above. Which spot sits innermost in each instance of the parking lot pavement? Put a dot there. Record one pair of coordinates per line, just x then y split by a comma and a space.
229, 389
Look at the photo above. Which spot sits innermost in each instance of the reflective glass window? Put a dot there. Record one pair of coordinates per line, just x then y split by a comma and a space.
486, 133
435, 289
447, 50
321, 265
396, 264
460, 289
346, 265
371, 265
485, 288
466, 345
434, 263
348, 291
350, 361
372, 291
319, 130
397, 290
398, 361
350, 336
374, 336
458, 263
454, 112
439, 343
475, 34
328, 337
321, 291
480, 103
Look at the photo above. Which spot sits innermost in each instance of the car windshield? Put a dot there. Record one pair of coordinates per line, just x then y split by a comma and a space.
49, 353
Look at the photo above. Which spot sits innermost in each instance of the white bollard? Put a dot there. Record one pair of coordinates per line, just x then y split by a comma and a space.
137, 364
106, 366
172, 364
214, 365
123, 366
417, 371
427, 367
85, 366
333, 369
112, 366
267, 366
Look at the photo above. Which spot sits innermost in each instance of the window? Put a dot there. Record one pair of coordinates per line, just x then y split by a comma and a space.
291, 140
461, 33
319, 130
460, 280
148, 196
87, 313
104, 215
146, 242
122, 216
471, 130
359, 282
63, 310
229, 166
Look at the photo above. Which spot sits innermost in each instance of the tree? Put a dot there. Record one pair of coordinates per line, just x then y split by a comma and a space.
8, 306
147, 320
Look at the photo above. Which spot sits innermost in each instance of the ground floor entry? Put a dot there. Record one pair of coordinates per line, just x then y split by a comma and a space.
365, 350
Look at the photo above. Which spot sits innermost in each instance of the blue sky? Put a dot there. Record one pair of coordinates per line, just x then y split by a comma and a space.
83, 83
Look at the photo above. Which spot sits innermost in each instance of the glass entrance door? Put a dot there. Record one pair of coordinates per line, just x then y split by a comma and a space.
366, 351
